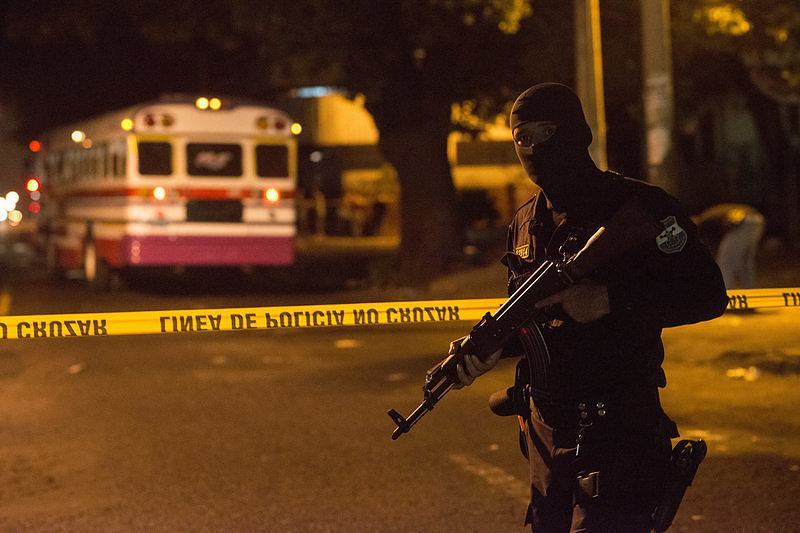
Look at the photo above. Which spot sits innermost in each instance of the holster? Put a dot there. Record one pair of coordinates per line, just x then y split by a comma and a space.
686, 458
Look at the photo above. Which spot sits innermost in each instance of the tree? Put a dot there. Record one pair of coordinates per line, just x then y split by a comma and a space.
750, 46
411, 59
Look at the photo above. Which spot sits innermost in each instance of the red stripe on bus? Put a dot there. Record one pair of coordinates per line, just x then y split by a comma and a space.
201, 194
208, 250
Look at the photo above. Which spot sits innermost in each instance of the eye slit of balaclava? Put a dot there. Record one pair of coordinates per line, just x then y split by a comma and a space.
529, 134
556, 103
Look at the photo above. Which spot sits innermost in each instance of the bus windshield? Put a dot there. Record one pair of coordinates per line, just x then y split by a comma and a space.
272, 161
155, 158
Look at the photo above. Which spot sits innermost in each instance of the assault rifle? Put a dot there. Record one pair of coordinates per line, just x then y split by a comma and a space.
629, 227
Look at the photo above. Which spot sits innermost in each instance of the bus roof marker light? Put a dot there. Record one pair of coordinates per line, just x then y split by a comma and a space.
215, 104
77, 136
296, 128
126, 124
202, 103
262, 123
272, 195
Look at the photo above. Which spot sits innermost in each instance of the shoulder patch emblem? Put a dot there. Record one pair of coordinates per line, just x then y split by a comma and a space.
673, 238
523, 251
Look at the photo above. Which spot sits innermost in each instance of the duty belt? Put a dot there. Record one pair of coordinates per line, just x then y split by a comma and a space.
571, 415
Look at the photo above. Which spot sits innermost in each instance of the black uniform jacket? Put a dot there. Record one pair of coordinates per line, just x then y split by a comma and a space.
668, 281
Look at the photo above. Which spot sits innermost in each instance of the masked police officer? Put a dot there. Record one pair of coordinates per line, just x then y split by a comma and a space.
597, 439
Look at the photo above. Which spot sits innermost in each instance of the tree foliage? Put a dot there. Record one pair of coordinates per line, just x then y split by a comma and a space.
749, 47
411, 59
762, 35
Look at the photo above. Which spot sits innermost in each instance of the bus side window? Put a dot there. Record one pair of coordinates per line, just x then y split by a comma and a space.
77, 163
111, 162
86, 165
116, 161
122, 159
100, 161
91, 166
80, 166
83, 165
68, 166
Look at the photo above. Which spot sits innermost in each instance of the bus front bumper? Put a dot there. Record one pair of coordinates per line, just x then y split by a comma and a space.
156, 250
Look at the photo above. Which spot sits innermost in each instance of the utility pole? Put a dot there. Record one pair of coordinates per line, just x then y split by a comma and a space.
791, 129
589, 74
658, 94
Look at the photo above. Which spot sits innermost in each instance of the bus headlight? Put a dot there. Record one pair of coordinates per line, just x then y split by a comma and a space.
272, 195
159, 193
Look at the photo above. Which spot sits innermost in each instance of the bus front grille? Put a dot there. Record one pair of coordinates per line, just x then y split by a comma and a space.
214, 211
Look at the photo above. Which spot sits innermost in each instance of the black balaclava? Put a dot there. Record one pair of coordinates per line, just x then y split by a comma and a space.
561, 165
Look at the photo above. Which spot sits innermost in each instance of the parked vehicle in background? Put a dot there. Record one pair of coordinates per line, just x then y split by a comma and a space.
182, 181
345, 187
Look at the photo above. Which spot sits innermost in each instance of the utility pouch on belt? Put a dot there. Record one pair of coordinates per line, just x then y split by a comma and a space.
686, 457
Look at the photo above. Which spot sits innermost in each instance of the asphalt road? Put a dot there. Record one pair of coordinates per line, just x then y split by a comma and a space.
287, 430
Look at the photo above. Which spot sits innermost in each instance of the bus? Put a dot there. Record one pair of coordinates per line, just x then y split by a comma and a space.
181, 181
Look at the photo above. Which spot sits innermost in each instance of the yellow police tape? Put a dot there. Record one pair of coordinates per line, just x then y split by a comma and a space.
303, 316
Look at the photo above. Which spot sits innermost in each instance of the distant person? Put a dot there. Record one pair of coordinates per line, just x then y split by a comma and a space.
732, 232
